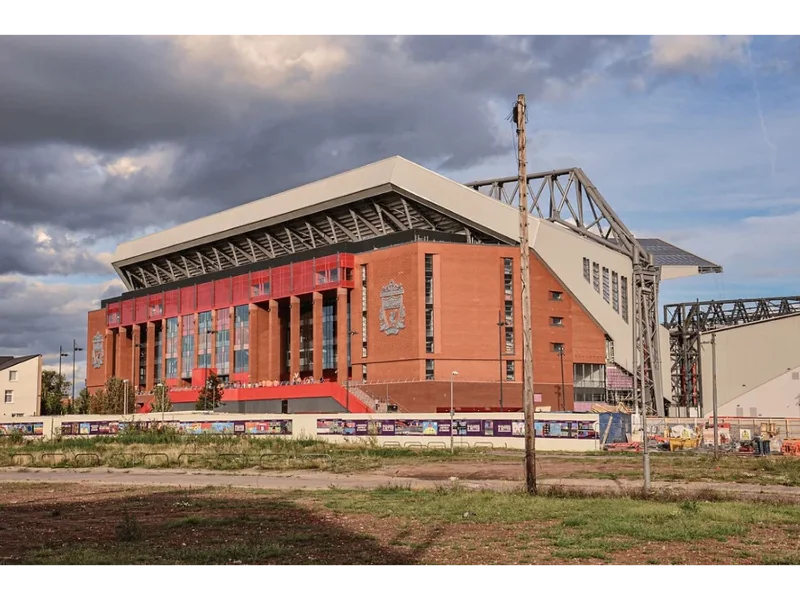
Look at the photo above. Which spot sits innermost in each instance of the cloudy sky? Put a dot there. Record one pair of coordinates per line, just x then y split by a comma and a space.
692, 139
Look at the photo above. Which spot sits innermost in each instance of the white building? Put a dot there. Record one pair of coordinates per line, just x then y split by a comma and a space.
20, 385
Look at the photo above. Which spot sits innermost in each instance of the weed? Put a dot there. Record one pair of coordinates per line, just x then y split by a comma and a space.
128, 529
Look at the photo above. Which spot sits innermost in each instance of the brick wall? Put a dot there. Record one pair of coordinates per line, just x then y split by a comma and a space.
96, 378
426, 396
468, 298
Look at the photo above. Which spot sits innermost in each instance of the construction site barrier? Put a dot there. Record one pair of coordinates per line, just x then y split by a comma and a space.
52, 455
433, 445
413, 444
95, 458
190, 456
391, 445
151, 454
271, 455
30, 461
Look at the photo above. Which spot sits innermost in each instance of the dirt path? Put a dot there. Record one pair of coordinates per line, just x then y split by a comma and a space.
320, 480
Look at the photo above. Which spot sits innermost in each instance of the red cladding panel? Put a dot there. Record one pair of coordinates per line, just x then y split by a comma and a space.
205, 297
141, 309
156, 306
127, 312
281, 282
187, 300
259, 285
303, 277
171, 303
241, 289
112, 312
222, 293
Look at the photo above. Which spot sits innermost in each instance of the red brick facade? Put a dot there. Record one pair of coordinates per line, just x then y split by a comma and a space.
468, 299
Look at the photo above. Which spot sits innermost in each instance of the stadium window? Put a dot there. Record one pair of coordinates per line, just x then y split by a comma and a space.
557, 321
508, 277
606, 286
586, 270
509, 313
596, 277
429, 291
556, 295
615, 290
624, 309
557, 347
509, 370
364, 373
509, 340
429, 369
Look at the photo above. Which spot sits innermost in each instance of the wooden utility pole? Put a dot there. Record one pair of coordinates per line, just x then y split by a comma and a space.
525, 277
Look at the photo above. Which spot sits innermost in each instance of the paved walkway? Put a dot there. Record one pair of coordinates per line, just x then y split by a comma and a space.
321, 480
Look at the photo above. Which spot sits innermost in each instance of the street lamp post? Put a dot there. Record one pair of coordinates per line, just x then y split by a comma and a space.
161, 395
500, 325
61, 354
563, 389
75, 350
452, 411
350, 333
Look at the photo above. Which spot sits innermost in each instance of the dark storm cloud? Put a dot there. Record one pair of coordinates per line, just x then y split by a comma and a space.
425, 98
23, 252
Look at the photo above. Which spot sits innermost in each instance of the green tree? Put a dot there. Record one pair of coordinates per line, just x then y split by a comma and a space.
161, 401
81, 404
110, 399
55, 388
210, 397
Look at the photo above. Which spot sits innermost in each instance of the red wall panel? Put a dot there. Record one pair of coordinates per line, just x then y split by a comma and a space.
171, 303
187, 300
281, 282
141, 309
127, 312
205, 297
112, 311
222, 293
156, 306
240, 289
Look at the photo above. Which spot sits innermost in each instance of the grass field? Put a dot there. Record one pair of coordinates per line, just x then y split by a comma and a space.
160, 450
69, 524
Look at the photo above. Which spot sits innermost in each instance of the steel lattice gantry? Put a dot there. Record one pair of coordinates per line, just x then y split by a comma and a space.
569, 198
687, 321
358, 221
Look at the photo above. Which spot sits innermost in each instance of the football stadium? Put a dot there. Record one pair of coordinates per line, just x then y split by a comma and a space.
393, 288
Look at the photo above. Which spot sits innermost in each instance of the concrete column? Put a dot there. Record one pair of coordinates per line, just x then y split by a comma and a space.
255, 328
121, 338
212, 340
341, 334
151, 356
109, 353
316, 320
294, 336
273, 342
179, 345
164, 349
197, 339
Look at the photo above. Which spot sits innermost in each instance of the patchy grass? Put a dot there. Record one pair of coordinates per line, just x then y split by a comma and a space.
220, 452
57, 524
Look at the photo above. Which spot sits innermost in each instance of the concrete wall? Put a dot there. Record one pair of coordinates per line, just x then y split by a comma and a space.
779, 397
26, 389
305, 426
748, 357
563, 252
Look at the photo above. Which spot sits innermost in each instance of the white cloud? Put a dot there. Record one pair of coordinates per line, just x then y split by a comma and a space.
283, 64
696, 53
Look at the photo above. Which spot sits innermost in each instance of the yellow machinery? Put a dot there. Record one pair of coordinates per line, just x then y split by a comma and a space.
687, 439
